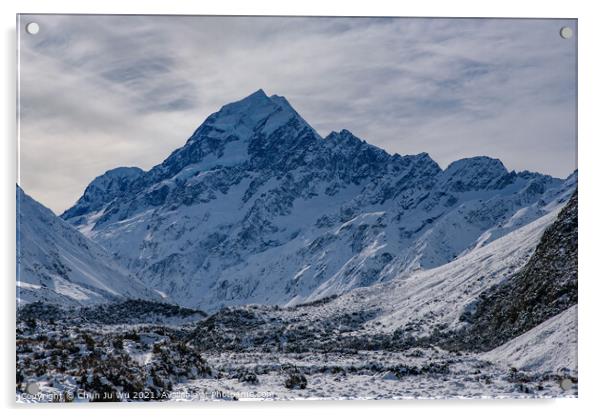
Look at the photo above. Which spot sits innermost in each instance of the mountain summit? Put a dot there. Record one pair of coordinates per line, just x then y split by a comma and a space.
256, 207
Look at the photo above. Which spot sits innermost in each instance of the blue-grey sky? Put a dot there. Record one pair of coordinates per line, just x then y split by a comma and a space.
97, 92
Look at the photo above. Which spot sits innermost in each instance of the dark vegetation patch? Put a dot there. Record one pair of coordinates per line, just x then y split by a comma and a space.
107, 365
125, 312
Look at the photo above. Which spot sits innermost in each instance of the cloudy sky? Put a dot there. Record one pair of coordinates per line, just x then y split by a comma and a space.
97, 92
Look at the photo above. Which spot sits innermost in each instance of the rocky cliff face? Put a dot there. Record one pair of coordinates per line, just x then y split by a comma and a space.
543, 288
256, 207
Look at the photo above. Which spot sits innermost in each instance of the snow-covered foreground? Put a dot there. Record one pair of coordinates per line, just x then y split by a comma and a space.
418, 373
372, 375
155, 362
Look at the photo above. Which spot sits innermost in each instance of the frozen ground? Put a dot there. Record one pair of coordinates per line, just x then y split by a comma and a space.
371, 375
367, 375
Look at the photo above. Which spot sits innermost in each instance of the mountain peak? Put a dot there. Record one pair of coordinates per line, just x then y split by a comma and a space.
243, 118
259, 92
255, 103
343, 135
121, 172
253, 128
255, 98
103, 189
473, 173
476, 164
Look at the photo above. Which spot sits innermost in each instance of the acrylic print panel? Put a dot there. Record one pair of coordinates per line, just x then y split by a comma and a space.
221, 208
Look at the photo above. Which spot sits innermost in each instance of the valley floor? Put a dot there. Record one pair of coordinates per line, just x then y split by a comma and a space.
266, 353
367, 375
372, 375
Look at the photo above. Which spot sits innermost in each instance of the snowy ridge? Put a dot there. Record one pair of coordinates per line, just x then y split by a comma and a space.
57, 264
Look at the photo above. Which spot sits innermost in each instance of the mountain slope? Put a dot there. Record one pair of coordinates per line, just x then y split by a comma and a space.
435, 300
256, 207
546, 286
406, 312
549, 347
57, 264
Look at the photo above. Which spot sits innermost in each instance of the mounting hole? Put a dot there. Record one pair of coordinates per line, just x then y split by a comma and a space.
566, 32
32, 28
566, 384
32, 388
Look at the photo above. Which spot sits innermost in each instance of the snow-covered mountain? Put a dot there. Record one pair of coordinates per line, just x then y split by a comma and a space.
256, 207
57, 264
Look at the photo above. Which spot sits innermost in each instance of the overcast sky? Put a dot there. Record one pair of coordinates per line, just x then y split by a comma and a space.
99, 92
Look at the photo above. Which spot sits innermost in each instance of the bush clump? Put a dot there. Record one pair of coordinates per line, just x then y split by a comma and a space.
248, 377
295, 380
